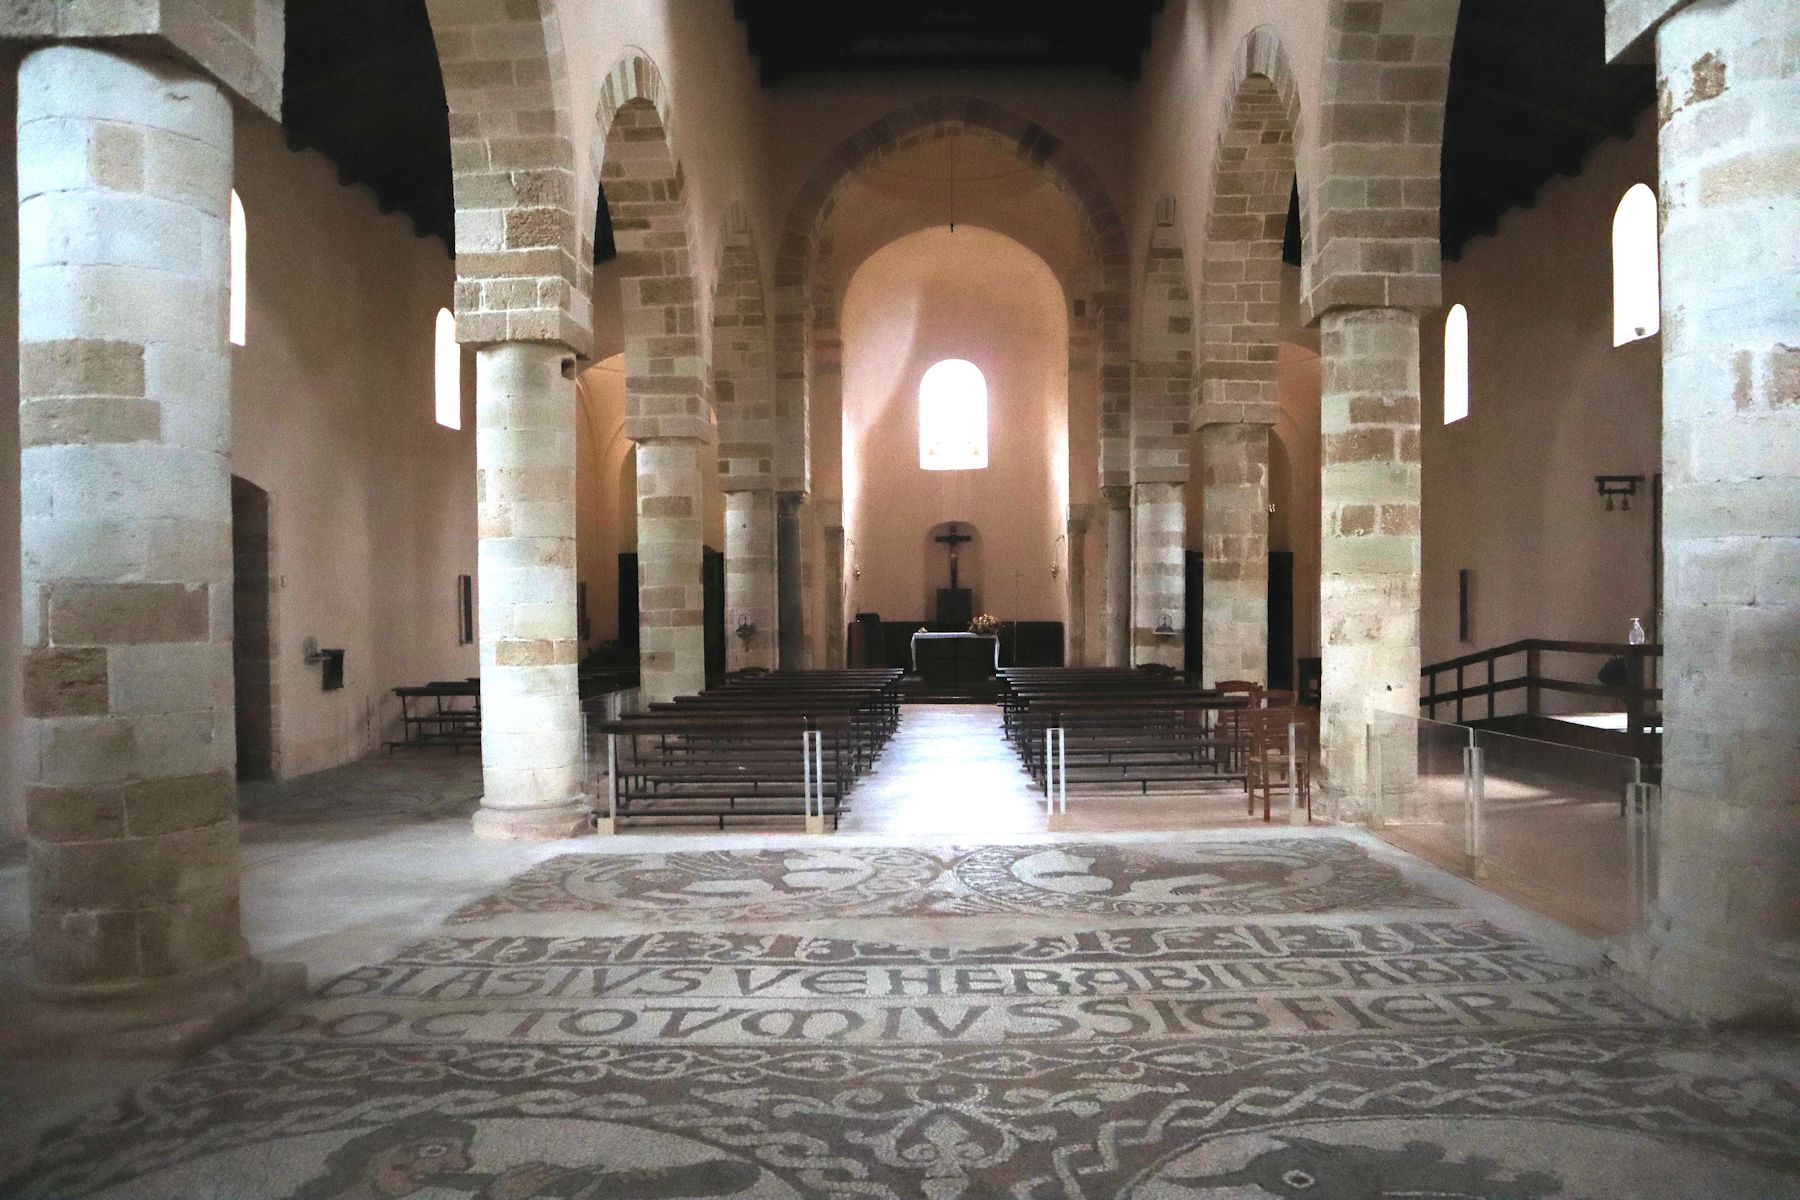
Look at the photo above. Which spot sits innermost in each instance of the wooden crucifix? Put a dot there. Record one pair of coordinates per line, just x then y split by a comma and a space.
953, 539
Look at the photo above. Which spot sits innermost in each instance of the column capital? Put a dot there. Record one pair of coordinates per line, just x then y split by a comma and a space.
663, 430
1116, 495
1224, 412
244, 55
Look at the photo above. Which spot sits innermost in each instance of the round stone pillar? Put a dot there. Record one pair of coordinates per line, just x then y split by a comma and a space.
1234, 618
1369, 557
1727, 937
1158, 573
1115, 587
751, 620
531, 755
125, 427
671, 566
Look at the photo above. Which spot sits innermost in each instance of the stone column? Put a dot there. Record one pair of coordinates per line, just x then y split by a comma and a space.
1234, 466
671, 566
1158, 573
1369, 560
1727, 935
835, 623
1075, 580
531, 764
750, 579
1115, 595
790, 575
125, 429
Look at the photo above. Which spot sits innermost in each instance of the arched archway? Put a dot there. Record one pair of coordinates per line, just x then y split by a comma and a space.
806, 340
667, 410
1254, 178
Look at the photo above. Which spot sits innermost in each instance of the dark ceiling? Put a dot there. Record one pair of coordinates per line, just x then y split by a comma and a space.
1530, 93
793, 37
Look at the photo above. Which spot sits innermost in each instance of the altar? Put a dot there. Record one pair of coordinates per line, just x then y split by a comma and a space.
953, 659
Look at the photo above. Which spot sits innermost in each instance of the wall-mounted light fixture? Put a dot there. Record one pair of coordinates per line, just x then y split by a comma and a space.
1056, 553
1622, 486
1165, 626
855, 566
746, 628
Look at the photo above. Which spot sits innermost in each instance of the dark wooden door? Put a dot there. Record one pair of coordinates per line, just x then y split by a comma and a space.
628, 601
712, 585
1281, 620
1193, 652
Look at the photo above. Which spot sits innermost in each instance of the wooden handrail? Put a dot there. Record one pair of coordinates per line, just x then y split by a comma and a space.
1634, 697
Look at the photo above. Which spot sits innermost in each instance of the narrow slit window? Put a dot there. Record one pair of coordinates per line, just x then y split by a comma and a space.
1637, 282
239, 273
953, 417
1456, 364
449, 372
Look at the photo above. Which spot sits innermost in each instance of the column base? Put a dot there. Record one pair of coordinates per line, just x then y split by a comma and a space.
573, 819
172, 1023
1720, 983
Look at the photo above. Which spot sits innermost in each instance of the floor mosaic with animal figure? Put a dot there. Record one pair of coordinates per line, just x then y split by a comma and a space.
1205, 1020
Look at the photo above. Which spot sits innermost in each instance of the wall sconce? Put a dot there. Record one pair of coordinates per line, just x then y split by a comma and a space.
1165, 626
855, 566
1622, 486
746, 628
1056, 554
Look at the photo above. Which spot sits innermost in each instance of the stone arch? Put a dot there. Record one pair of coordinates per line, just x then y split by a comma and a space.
667, 380
524, 267
743, 377
802, 314
1254, 172
1372, 238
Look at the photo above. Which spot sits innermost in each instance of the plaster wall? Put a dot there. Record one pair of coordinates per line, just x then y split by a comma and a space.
976, 295
1509, 491
372, 502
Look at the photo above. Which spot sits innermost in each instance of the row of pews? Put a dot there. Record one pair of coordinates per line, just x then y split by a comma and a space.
763, 744
1099, 728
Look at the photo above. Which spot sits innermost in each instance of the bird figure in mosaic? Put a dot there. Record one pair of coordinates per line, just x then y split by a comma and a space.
1304, 1169
402, 1160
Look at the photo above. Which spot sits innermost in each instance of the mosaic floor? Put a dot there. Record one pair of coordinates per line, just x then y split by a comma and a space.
1299, 1016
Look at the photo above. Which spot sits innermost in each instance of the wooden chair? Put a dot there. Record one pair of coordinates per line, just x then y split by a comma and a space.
1234, 725
1267, 767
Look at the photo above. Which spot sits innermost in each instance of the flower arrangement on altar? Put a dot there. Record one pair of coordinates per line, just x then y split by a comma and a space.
987, 625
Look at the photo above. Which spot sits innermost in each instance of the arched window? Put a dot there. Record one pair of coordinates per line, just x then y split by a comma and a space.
1637, 283
449, 372
953, 417
1456, 364
239, 276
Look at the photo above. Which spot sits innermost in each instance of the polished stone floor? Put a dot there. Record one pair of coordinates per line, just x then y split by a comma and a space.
1220, 1014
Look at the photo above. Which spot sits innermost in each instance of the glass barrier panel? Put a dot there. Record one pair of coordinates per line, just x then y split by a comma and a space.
1555, 826
1416, 774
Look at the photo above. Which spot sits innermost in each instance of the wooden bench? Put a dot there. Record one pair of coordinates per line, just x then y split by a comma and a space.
435, 714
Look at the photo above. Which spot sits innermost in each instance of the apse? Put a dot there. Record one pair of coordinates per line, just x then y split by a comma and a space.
942, 328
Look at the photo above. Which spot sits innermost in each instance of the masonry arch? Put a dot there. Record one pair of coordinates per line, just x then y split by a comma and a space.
668, 411
524, 264
911, 125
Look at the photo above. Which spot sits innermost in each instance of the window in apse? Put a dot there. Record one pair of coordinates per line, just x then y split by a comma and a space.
240, 236
1637, 286
449, 372
953, 417
1456, 364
